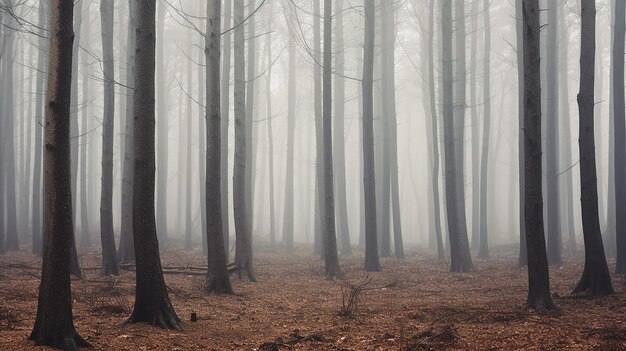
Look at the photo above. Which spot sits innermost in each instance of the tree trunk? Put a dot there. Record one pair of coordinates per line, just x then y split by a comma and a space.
109, 255
339, 135
85, 238
620, 137
217, 273
519, 30
243, 244
250, 22
538, 275
288, 226
372, 263
225, 113
152, 304
54, 323
475, 136
320, 220
201, 75
270, 136
126, 252
553, 222
610, 227
484, 245
188, 208
595, 278
78, 18
162, 130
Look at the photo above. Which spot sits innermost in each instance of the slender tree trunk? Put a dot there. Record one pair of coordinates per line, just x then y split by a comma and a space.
620, 137
484, 245
475, 136
538, 275
200, 75
270, 136
566, 186
78, 18
552, 138
126, 252
610, 227
595, 278
523, 256
225, 113
288, 226
217, 273
250, 125
109, 255
85, 239
54, 322
188, 209
243, 244
372, 263
152, 304
320, 220
339, 135
162, 131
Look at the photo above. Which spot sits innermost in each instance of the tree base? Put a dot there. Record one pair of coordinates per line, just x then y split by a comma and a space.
542, 305
594, 285
218, 284
70, 342
164, 318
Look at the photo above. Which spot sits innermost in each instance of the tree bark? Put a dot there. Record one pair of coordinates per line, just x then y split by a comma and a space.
372, 263
54, 322
538, 275
243, 244
519, 30
85, 238
217, 272
152, 304
595, 278
109, 255
620, 137
225, 113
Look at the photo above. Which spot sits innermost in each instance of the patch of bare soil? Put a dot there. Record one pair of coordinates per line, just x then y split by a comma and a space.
414, 304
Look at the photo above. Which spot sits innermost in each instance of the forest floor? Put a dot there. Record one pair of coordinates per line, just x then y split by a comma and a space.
414, 304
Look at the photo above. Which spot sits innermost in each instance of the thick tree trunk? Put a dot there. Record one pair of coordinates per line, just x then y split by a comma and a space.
243, 244
217, 273
620, 137
339, 135
538, 275
595, 278
126, 252
54, 323
152, 304
372, 263
109, 255
225, 113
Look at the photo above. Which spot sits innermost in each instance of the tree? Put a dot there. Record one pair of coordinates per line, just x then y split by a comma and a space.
270, 136
126, 252
538, 275
595, 278
288, 227
457, 228
54, 322
372, 263
553, 222
217, 273
162, 129
620, 136
519, 31
484, 160
251, 129
319, 133
152, 304
243, 242
330, 238
225, 105
109, 255
85, 238
338, 136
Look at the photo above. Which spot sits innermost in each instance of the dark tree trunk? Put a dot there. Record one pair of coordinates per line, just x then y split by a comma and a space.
126, 251
54, 323
330, 238
523, 257
620, 137
538, 275
109, 255
596, 278
553, 219
225, 113
372, 263
243, 244
217, 272
152, 304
